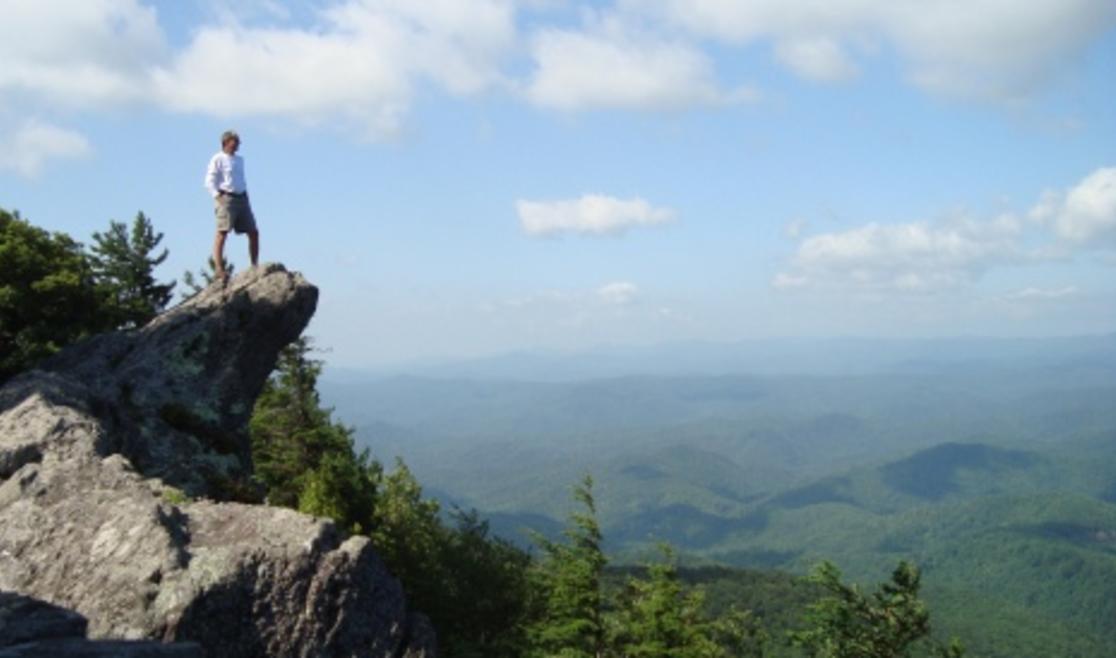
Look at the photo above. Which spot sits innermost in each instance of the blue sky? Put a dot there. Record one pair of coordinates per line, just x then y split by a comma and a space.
468, 177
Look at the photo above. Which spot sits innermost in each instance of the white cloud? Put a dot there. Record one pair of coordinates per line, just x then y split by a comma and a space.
458, 43
1047, 207
359, 65
618, 293
78, 53
994, 49
289, 73
30, 146
817, 58
1086, 214
591, 214
930, 257
609, 66
987, 49
916, 257
358, 62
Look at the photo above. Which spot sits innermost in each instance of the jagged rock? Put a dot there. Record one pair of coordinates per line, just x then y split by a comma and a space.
175, 396
101, 451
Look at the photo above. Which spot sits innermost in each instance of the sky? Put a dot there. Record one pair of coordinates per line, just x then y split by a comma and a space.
472, 177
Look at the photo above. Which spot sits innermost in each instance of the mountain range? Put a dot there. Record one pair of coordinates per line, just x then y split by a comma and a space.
990, 463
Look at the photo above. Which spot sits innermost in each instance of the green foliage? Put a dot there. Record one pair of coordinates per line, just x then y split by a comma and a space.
305, 459
660, 617
175, 496
473, 587
124, 266
482, 604
342, 487
576, 616
997, 481
48, 298
408, 532
887, 624
569, 578
52, 293
1019, 575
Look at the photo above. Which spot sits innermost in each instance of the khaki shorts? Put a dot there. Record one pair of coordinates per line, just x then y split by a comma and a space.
235, 213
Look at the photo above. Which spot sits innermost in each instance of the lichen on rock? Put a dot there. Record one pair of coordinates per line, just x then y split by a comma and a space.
118, 459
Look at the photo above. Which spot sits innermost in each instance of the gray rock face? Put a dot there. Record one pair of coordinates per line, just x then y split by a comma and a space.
90, 448
174, 397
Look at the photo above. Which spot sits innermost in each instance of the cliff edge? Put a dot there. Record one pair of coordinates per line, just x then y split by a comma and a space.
97, 447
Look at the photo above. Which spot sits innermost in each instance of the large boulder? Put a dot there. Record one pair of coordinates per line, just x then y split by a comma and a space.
118, 460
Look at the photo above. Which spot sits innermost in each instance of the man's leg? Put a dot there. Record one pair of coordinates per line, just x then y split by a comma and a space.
219, 253
254, 246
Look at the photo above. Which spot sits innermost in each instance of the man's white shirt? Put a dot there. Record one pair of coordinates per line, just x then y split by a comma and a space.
225, 173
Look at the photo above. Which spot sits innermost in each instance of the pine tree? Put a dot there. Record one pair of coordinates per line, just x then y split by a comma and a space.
472, 586
487, 597
305, 459
47, 294
659, 618
124, 267
408, 533
342, 487
406, 527
572, 623
890, 623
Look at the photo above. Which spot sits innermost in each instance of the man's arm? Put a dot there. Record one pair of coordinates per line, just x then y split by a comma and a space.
212, 173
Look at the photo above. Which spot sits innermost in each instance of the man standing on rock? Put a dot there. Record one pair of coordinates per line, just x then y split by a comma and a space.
226, 183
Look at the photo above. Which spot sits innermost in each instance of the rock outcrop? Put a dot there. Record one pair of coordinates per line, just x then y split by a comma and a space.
115, 458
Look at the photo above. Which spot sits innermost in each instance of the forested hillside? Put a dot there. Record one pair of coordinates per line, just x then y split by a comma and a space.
996, 477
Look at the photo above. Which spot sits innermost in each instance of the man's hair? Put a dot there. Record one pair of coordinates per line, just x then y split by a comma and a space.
227, 135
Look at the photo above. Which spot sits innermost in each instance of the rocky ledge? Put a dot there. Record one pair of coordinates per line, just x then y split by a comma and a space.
118, 461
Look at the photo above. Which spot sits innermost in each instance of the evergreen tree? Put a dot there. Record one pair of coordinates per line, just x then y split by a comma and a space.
342, 487
409, 535
47, 294
572, 621
472, 586
487, 597
124, 267
890, 623
658, 618
304, 458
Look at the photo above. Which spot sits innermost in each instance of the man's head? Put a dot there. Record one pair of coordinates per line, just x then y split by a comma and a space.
230, 141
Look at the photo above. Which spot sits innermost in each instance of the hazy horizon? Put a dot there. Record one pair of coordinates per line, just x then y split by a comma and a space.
827, 356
